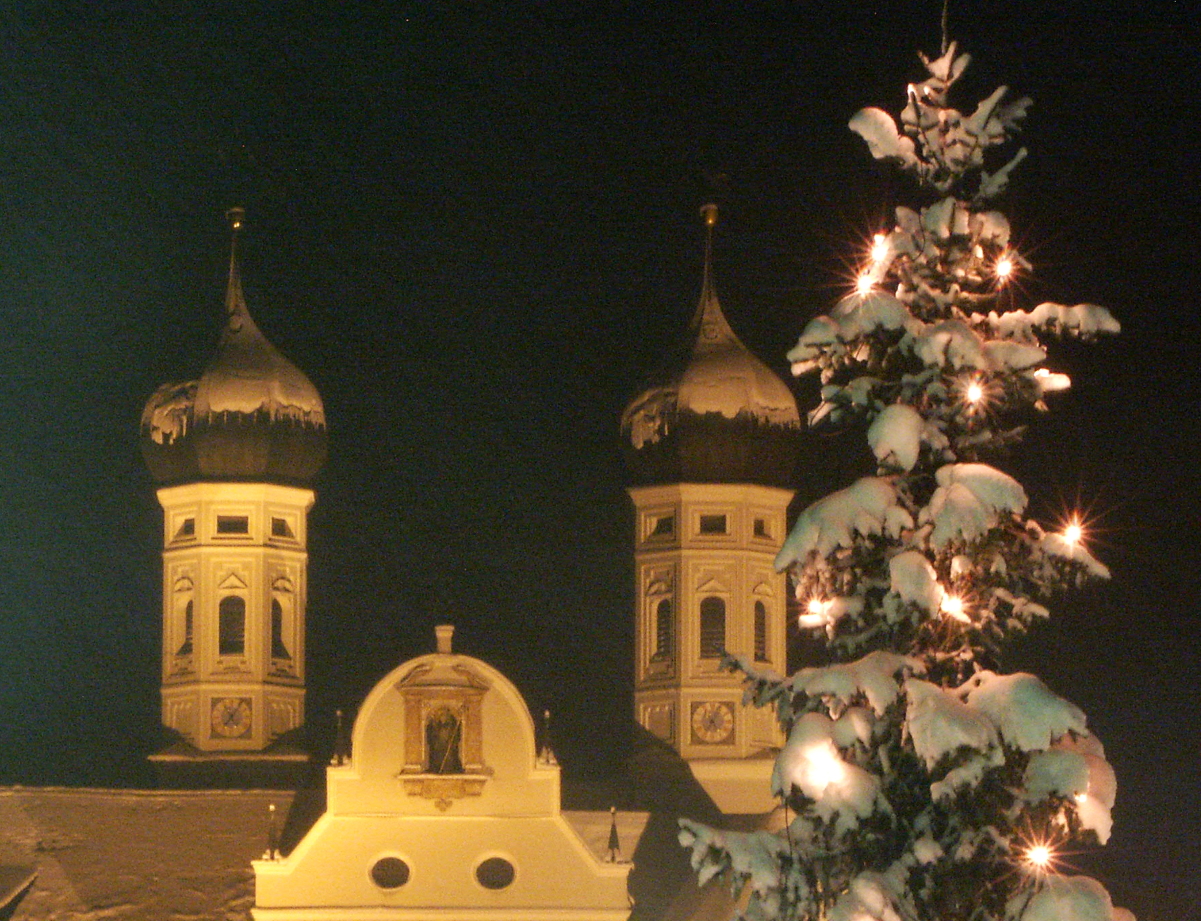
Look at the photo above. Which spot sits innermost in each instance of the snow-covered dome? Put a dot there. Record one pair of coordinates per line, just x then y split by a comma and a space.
715, 413
252, 415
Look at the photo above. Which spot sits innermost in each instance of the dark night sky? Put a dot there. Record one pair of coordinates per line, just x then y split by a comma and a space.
474, 225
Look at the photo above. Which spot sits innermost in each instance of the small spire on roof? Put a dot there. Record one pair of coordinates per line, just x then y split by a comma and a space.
272, 852
235, 302
341, 744
546, 754
614, 840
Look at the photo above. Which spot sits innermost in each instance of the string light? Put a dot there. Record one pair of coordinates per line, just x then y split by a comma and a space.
815, 615
1039, 856
1073, 533
824, 766
974, 393
865, 283
952, 606
1004, 268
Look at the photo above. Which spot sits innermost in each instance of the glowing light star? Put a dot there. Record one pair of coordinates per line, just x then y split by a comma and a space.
824, 767
1004, 268
865, 283
1073, 533
974, 393
952, 606
1040, 857
879, 248
815, 615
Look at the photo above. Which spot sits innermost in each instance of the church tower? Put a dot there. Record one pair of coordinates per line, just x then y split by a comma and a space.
234, 455
710, 448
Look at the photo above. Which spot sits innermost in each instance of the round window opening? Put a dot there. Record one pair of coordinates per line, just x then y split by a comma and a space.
390, 873
494, 873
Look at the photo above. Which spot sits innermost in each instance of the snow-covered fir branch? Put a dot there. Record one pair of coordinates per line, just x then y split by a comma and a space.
920, 784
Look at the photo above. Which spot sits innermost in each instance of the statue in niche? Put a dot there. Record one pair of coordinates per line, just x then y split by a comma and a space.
443, 733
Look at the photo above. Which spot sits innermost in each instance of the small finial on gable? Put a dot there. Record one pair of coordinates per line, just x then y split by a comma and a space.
444, 633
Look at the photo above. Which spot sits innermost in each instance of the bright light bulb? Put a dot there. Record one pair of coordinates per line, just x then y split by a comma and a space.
879, 248
865, 283
824, 766
1004, 268
1039, 856
1073, 533
952, 606
816, 613
974, 393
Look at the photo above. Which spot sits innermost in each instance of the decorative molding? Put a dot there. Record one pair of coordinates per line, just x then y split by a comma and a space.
444, 789
231, 580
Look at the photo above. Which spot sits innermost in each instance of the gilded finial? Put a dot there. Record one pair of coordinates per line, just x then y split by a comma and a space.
235, 304
709, 214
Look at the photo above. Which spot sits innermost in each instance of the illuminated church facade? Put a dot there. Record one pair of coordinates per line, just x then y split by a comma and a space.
445, 805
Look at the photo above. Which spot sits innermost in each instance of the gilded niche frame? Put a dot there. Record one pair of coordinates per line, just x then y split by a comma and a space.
443, 732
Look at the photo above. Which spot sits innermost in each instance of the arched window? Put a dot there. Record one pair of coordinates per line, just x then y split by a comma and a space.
713, 627
231, 626
443, 735
279, 649
760, 631
185, 648
664, 629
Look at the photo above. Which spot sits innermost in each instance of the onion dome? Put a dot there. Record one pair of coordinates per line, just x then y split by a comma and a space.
714, 414
252, 415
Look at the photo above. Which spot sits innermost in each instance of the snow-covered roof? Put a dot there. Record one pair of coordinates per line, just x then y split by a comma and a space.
135, 854
151, 855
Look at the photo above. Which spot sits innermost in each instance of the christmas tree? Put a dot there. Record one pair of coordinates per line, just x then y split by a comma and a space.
920, 784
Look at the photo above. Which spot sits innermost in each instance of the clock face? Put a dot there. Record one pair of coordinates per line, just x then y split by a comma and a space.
230, 717
712, 722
